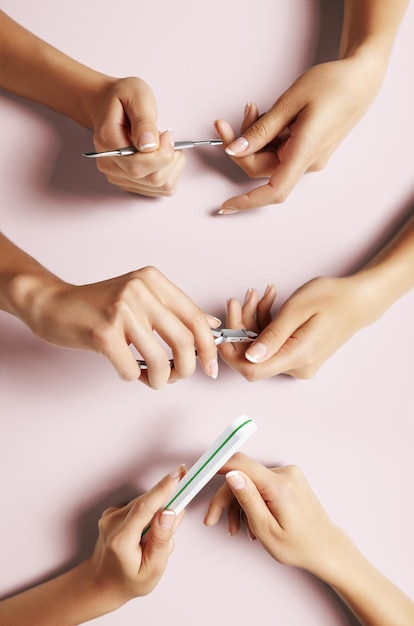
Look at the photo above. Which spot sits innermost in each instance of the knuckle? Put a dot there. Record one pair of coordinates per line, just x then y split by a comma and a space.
258, 131
157, 179
249, 167
274, 335
159, 543
140, 508
280, 196
149, 273
238, 458
169, 187
250, 374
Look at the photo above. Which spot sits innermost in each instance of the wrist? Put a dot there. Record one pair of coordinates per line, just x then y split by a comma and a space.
377, 287
338, 559
27, 294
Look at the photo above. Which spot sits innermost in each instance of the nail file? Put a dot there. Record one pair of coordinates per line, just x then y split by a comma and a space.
230, 440
207, 466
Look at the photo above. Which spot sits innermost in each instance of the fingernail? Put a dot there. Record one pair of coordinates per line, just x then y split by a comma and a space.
167, 519
146, 141
171, 137
248, 295
235, 479
179, 471
256, 353
247, 109
213, 369
214, 319
229, 533
227, 211
237, 147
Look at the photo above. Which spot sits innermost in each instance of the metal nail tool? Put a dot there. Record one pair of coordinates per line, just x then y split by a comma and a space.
128, 150
225, 335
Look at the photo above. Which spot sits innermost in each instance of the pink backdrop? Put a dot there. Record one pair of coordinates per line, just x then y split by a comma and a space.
75, 438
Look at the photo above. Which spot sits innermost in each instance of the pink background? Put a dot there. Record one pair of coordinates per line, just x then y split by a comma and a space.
75, 438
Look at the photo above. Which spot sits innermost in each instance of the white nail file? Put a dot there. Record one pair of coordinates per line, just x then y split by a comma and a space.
230, 440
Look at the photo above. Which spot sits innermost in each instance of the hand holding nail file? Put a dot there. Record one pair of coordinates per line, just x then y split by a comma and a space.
207, 466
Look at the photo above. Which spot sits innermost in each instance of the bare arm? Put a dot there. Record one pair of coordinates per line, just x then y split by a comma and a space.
120, 111
283, 513
121, 567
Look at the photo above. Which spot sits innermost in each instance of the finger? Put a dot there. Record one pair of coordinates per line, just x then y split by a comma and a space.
158, 368
251, 113
234, 319
249, 310
261, 133
141, 511
190, 317
224, 131
263, 314
142, 116
115, 348
154, 167
234, 516
249, 498
218, 504
274, 336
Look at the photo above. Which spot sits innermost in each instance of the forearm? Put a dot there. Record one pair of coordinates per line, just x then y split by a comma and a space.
374, 599
70, 599
23, 281
32, 68
390, 273
369, 24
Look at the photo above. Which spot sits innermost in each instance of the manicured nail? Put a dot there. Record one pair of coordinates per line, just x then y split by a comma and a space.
237, 147
213, 369
179, 471
213, 319
171, 137
146, 141
235, 479
247, 109
167, 519
227, 211
256, 353
248, 295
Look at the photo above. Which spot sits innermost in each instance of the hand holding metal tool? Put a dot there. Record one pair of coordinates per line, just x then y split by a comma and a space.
128, 150
225, 335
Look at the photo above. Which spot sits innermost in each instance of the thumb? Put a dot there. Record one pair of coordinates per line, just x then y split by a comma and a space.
267, 344
247, 495
142, 117
259, 134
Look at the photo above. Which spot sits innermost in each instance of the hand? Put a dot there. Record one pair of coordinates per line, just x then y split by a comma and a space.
122, 566
280, 510
301, 130
106, 317
124, 113
310, 326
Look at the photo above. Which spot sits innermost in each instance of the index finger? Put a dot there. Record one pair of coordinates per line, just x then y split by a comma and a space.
142, 509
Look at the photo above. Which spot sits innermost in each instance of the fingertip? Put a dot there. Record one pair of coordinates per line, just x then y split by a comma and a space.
167, 138
237, 147
236, 480
256, 353
147, 141
167, 519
